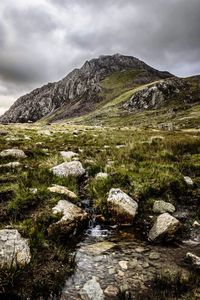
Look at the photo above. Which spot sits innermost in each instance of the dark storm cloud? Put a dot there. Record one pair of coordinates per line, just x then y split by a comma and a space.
43, 40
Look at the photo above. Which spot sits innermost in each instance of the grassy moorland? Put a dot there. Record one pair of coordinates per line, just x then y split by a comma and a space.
147, 164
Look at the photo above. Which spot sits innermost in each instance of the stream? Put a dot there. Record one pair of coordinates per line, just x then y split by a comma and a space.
119, 261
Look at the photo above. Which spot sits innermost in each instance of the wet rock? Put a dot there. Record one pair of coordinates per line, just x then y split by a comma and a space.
12, 165
68, 155
133, 263
154, 255
102, 175
73, 168
92, 290
188, 180
123, 264
194, 260
161, 206
13, 152
14, 250
98, 248
73, 218
165, 225
122, 207
111, 292
59, 189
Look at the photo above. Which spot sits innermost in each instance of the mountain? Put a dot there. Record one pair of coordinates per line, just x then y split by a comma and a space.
97, 81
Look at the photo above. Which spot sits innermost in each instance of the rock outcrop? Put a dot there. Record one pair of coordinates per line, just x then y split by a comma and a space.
122, 208
14, 250
156, 95
165, 226
78, 92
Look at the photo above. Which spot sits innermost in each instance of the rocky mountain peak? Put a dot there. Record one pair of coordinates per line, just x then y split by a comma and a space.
78, 92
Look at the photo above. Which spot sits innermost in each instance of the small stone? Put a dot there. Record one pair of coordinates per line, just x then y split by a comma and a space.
133, 263
111, 291
68, 155
188, 180
12, 165
62, 190
196, 224
66, 169
161, 206
111, 271
123, 264
140, 250
33, 190
145, 265
101, 176
120, 273
92, 290
154, 255
194, 260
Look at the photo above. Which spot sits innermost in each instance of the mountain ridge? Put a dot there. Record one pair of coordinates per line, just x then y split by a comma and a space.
79, 91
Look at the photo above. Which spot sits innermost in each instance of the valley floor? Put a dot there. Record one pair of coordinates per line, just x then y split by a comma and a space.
148, 165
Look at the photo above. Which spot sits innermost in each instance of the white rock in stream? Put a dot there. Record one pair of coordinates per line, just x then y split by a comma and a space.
72, 168
122, 207
165, 225
161, 206
13, 152
92, 290
14, 250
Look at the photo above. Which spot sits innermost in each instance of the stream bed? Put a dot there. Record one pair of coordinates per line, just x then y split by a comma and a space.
114, 261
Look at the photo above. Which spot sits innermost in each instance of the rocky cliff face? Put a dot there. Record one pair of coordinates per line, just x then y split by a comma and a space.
78, 92
156, 95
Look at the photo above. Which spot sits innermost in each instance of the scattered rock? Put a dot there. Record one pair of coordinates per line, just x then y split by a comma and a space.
73, 168
161, 206
102, 175
196, 224
122, 207
3, 132
92, 290
154, 255
123, 264
120, 273
73, 218
12, 165
165, 225
111, 291
62, 190
194, 260
133, 263
188, 180
13, 152
68, 155
14, 250
33, 190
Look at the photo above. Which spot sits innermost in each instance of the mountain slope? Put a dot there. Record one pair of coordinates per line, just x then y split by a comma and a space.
82, 89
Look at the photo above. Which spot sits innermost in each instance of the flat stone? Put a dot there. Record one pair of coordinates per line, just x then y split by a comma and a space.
101, 176
154, 255
13, 152
12, 165
111, 291
123, 264
98, 248
68, 155
194, 260
62, 190
188, 180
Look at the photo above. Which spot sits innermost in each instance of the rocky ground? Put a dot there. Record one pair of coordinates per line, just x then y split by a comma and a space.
99, 213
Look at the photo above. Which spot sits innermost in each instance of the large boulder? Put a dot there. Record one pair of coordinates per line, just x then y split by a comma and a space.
161, 206
14, 250
92, 290
72, 168
72, 219
122, 207
194, 260
13, 152
59, 189
165, 226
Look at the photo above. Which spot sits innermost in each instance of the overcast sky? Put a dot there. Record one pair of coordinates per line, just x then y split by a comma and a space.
42, 40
